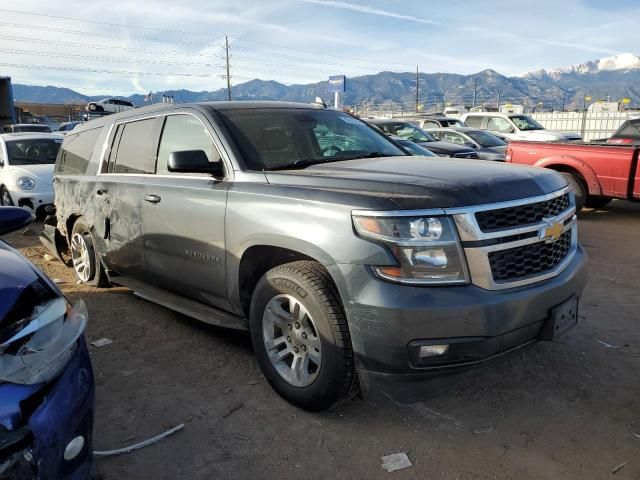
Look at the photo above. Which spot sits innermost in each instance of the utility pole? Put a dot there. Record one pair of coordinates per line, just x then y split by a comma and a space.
228, 76
498, 101
417, 90
475, 91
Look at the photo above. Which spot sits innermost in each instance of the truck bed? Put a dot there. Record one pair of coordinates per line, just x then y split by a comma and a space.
607, 170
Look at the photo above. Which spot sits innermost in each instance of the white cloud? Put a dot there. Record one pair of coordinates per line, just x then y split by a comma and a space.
370, 10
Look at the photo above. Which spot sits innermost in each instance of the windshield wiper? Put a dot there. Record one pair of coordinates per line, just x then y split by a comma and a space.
299, 164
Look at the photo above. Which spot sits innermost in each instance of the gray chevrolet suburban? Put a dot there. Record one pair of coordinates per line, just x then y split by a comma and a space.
349, 261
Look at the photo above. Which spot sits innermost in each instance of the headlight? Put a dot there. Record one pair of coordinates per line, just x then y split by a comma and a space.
426, 248
26, 183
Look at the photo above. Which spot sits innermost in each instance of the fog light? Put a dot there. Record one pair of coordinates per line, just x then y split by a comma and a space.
432, 350
74, 448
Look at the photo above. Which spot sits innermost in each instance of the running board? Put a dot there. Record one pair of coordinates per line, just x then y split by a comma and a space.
186, 306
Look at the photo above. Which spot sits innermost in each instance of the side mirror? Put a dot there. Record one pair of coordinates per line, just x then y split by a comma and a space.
193, 161
14, 218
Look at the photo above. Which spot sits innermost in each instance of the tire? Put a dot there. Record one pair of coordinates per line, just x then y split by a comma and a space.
84, 259
594, 201
579, 188
93, 107
326, 374
5, 197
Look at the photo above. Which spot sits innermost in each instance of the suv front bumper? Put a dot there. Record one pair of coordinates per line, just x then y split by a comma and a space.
387, 319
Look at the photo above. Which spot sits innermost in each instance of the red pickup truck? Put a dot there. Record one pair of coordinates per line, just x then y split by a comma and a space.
597, 172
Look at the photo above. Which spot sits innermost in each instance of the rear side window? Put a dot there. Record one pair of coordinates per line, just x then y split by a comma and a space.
631, 130
76, 151
474, 121
133, 155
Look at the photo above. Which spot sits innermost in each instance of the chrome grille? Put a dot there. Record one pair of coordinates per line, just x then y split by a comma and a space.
520, 215
507, 244
516, 263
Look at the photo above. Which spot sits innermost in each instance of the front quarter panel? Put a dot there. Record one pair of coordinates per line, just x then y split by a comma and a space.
306, 221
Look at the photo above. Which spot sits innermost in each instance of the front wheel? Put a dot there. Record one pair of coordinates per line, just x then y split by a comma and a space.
301, 337
594, 201
5, 197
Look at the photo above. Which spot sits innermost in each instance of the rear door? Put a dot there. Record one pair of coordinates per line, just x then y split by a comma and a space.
118, 193
183, 216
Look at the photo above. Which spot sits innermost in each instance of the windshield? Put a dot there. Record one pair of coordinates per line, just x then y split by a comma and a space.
485, 139
407, 131
416, 149
525, 123
32, 128
33, 151
278, 138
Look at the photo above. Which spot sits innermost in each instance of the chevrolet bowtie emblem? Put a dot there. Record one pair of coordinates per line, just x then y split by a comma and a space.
552, 231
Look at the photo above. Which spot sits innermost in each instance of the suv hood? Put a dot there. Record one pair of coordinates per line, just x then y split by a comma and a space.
414, 182
446, 147
43, 173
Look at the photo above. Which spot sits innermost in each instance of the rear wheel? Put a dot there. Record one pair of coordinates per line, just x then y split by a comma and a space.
5, 197
301, 338
579, 188
86, 263
594, 201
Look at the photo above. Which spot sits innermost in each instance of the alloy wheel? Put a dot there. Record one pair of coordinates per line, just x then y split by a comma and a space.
291, 340
80, 257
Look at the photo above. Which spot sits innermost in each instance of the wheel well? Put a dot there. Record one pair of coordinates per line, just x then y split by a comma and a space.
567, 169
258, 260
69, 223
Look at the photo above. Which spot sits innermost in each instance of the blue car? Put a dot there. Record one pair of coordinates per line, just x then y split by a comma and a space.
47, 393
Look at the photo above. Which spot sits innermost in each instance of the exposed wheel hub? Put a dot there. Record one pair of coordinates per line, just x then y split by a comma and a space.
291, 340
80, 257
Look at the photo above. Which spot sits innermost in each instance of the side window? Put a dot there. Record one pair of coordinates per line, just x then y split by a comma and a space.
453, 138
427, 125
474, 121
134, 149
498, 124
76, 150
180, 133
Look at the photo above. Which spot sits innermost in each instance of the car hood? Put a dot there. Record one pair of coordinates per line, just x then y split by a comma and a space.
446, 147
41, 173
549, 135
413, 182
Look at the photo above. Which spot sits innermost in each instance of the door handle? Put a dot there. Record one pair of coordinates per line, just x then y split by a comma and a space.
152, 198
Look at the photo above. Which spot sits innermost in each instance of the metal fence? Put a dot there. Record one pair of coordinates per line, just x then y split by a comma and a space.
591, 125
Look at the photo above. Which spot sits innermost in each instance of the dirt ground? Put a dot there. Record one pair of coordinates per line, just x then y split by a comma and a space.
567, 410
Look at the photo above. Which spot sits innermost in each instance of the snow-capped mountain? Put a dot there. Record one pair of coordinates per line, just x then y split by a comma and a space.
622, 61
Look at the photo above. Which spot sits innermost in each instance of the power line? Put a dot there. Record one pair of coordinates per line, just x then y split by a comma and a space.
95, 70
106, 59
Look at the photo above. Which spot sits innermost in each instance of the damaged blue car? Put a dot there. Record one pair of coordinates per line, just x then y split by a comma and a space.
47, 393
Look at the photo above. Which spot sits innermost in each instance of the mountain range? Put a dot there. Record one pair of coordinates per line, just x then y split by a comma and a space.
611, 78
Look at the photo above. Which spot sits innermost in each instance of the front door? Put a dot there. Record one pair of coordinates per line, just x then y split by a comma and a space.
183, 217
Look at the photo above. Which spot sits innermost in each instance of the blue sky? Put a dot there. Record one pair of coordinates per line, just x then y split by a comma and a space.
125, 46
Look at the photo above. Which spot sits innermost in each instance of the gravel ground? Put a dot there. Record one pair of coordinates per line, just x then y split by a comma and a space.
566, 410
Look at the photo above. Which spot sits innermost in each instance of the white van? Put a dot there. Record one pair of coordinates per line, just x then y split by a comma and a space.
512, 126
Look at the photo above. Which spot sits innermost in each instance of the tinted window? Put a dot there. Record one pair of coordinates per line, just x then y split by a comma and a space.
133, 154
452, 123
281, 137
76, 152
184, 132
485, 138
32, 128
498, 124
630, 130
474, 121
33, 151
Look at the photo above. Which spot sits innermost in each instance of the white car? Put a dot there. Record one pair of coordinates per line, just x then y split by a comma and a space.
27, 161
110, 105
513, 126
